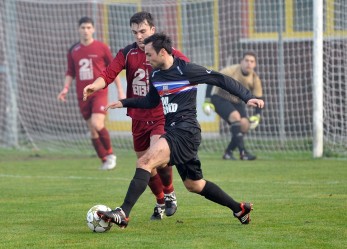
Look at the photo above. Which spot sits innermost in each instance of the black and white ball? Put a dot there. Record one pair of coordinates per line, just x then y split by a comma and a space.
95, 223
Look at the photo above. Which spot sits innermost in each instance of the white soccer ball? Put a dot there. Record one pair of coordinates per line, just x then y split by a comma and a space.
207, 110
95, 223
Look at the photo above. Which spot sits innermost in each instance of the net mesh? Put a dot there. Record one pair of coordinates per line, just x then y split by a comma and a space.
36, 34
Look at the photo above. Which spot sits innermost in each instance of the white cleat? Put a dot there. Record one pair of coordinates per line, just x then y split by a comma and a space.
170, 203
110, 162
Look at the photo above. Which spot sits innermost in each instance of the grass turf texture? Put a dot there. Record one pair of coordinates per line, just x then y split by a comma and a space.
298, 203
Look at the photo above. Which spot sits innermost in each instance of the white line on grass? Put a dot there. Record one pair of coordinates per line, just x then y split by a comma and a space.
66, 177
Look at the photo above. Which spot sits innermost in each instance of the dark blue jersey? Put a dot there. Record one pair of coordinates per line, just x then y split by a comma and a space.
176, 87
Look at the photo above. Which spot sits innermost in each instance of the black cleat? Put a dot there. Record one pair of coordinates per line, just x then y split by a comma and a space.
245, 155
116, 216
244, 217
228, 156
158, 212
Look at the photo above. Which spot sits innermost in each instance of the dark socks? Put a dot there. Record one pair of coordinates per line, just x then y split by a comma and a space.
106, 140
99, 148
157, 188
166, 178
214, 193
236, 138
137, 186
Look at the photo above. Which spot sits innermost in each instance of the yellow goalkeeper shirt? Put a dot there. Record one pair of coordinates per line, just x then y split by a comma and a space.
251, 82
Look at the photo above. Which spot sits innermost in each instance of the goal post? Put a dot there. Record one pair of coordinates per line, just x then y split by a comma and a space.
317, 87
11, 117
304, 82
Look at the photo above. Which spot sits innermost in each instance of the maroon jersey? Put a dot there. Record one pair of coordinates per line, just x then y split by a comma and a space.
133, 60
85, 63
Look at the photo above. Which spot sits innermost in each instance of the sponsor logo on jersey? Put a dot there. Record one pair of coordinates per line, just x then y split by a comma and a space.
165, 89
168, 107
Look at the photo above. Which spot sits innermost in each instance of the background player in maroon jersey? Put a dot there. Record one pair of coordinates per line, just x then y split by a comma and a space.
147, 125
86, 59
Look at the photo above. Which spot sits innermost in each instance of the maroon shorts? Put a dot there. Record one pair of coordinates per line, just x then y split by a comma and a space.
94, 104
143, 130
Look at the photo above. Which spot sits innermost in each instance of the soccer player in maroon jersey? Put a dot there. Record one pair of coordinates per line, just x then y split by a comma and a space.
147, 125
86, 59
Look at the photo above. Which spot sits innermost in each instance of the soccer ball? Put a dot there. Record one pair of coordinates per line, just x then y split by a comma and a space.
95, 223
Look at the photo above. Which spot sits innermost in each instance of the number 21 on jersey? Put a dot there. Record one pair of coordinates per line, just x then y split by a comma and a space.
140, 86
86, 69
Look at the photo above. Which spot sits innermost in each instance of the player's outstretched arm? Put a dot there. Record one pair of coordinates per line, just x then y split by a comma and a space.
256, 103
114, 105
98, 84
61, 96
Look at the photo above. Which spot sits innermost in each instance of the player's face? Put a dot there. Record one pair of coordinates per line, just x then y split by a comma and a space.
248, 64
86, 31
156, 60
141, 32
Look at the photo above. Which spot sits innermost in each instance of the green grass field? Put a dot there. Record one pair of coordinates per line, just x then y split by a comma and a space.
298, 203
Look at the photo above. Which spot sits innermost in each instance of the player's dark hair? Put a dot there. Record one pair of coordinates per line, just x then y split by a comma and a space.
141, 16
159, 41
250, 53
85, 19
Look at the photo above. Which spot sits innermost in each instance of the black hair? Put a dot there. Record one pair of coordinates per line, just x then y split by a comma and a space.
250, 53
141, 16
159, 41
85, 19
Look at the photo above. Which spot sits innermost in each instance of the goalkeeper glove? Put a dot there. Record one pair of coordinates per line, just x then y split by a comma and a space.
254, 121
208, 107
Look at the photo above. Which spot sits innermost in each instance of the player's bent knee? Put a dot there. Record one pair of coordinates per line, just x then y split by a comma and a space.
193, 186
146, 163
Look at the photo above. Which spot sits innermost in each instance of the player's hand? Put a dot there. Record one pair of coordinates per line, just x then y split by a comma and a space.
62, 94
207, 108
88, 90
114, 105
254, 121
256, 103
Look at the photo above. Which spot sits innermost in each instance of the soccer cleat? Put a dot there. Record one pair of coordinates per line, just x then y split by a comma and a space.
228, 156
244, 217
170, 204
158, 212
245, 155
110, 162
116, 216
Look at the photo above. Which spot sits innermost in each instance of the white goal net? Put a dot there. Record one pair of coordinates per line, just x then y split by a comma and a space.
36, 34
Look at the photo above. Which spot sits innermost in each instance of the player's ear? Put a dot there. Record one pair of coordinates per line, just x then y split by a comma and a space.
162, 52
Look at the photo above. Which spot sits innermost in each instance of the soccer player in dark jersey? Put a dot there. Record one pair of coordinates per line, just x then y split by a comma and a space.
147, 125
231, 109
174, 83
86, 59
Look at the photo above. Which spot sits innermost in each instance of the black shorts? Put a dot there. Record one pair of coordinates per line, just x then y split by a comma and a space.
184, 140
191, 170
225, 107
